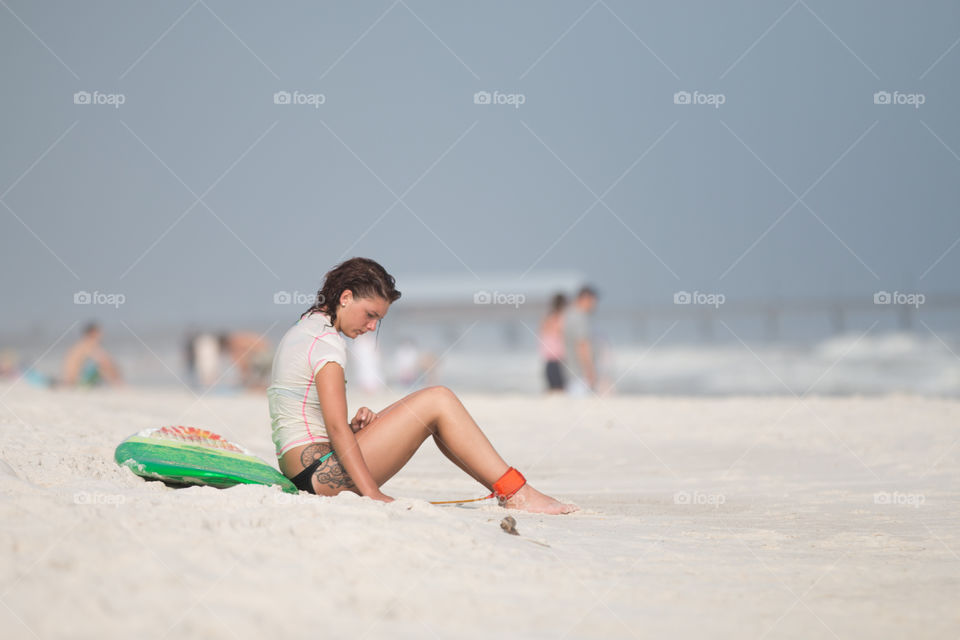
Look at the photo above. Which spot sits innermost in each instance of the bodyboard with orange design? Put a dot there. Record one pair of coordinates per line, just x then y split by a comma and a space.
187, 455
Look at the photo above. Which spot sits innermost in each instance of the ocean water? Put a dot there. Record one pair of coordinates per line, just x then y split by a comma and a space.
842, 365
849, 363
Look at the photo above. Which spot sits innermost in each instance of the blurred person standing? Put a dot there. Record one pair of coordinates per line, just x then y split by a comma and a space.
206, 359
552, 348
581, 361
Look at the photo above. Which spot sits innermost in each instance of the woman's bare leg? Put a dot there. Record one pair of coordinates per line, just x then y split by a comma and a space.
440, 445
453, 458
390, 441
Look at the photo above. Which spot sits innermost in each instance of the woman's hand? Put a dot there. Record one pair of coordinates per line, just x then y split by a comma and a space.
364, 417
382, 497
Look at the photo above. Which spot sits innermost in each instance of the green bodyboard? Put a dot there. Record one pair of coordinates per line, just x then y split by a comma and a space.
154, 456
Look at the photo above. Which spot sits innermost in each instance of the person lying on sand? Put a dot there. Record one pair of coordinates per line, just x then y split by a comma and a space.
323, 453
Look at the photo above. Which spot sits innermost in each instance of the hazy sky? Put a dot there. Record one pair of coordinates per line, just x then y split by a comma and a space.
199, 197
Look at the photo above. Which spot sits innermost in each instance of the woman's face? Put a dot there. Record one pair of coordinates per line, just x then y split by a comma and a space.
356, 316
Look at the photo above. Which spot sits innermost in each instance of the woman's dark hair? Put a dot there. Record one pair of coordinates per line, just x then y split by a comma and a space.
558, 302
364, 277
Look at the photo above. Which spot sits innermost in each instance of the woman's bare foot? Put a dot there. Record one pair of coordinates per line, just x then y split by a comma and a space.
529, 499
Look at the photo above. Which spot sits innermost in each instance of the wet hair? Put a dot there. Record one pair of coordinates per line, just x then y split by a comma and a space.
91, 328
364, 277
558, 302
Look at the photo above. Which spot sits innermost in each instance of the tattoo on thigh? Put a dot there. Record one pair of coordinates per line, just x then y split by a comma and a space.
333, 475
330, 472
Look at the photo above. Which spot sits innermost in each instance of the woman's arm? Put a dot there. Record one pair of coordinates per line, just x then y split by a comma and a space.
332, 392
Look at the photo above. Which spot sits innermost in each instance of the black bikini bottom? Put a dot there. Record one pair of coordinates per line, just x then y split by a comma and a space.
304, 479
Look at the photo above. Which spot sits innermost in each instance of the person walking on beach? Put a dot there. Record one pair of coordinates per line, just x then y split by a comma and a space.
551, 344
324, 453
87, 363
579, 343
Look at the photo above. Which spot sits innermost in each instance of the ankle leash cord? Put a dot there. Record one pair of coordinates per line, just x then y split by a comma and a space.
503, 489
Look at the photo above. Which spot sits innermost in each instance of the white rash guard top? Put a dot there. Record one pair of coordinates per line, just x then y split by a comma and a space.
292, 395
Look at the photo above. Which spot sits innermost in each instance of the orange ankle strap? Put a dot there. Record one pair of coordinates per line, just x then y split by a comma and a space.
508, 484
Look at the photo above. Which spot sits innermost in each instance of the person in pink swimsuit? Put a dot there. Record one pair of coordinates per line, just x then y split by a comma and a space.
323, 452
552, 345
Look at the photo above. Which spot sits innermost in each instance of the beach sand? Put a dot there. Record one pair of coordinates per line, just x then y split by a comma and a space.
742, 517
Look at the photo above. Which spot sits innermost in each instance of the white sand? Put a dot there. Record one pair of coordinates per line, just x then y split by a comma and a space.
739, 518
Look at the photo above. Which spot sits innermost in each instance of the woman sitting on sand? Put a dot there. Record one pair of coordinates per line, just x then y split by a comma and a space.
324, 454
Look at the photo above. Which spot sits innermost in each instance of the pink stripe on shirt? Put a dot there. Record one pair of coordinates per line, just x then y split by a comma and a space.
306, 394
291, 445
